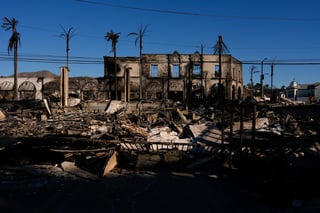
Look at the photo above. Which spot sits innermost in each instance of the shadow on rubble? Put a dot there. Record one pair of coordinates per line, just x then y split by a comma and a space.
250, 171
62, 178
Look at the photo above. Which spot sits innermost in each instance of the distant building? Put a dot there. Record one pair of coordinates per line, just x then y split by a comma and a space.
303, 92
178, 77
28, 87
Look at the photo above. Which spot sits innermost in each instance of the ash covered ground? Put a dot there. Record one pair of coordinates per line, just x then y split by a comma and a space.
75, 159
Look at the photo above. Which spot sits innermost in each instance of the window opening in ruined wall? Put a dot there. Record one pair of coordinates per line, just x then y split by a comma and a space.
175, 71
154, 70
196, 69
216, 70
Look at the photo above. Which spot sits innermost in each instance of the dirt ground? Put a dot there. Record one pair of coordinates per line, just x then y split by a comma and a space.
138, 192
145, 191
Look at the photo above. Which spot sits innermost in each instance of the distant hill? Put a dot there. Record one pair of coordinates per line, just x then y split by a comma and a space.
45, 74
42, 73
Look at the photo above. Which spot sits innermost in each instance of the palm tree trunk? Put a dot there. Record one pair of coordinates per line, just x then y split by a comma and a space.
15, 76
67, 52
140, 71
115, 72
220, 93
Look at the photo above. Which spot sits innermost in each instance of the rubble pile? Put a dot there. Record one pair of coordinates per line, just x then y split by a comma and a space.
233, 129
92, 140
152, 122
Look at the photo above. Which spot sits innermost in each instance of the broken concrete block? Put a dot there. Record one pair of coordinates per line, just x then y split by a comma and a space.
172, 156
206, 134
135, 130
2, 116
74, 101
163, 134
114, 106
111, 163
104, 129
71, 168
182, 116
43, 117
152, 118
145, 161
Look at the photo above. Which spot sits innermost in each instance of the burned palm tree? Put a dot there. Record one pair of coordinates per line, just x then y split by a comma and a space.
220, 48
114, 37
67, 34
139, 36
14, 41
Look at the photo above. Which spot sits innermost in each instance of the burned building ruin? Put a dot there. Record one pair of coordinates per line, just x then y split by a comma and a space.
178, 77
186, 78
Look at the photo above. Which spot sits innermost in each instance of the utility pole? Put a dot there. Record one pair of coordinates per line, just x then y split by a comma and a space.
272, 70
272, 73
262, 77
201, 70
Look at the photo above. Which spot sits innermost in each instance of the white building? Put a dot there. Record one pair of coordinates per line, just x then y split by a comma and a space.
303, 92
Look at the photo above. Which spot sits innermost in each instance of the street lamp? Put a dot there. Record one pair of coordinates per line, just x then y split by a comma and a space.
262, 77
252, 71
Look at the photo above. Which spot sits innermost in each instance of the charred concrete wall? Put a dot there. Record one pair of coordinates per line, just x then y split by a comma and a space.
176, 76
127, 76
28, 87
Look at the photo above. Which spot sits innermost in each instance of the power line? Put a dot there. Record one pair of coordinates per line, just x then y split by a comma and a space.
197, 46
176, 12
25, 57
275, 48
52, 59
285, 62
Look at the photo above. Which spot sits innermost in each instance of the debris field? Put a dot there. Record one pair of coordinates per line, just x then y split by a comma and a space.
260, 156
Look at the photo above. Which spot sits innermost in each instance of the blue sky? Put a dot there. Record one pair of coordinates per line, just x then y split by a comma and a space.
284, 31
